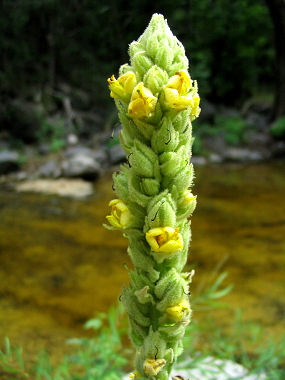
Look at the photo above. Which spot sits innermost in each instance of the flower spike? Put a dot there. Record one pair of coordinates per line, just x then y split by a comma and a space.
156, 100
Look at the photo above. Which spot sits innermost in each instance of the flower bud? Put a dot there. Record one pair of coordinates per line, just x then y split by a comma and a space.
152, 45
161, 212
143, 160
164, 55
186, 204
152, 367
150, 186
179, 311
121, 184
135, 375
155, 79
141, 62
165, 139
135, 191
120, 215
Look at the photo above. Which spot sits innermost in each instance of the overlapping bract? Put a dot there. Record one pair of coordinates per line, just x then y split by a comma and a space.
156, 101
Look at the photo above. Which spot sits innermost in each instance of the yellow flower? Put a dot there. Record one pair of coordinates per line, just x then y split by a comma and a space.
152, 367
123, 86
195, 111
179, 92
120, 216
164, 239
188, 197
177, 312
135, 375
142, 102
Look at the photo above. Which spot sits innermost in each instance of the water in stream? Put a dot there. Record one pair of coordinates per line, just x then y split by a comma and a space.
59, 266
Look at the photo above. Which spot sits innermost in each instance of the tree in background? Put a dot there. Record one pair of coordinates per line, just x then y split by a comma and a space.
47, 43
277, 12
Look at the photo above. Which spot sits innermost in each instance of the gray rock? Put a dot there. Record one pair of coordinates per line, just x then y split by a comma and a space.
44, 149
257, 120
215, 158
198, 160
9, 161
81, 165
242, 155
50, 169
75, 188
259, 139
78, 150
215, 144
116, 154
72, 139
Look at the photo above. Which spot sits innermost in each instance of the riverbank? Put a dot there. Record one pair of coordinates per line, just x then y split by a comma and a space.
59, 266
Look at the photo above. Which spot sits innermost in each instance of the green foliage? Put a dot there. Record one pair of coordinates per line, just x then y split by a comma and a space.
245, 343
278, 128
233, 129
47, 41
53, 133
101, 357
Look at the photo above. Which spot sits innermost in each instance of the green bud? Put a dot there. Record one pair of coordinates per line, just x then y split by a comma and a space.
150, 186
135, 191
154, 346
138, 281
164, 55
141, 62
145, 129
186, 205
161, 212
182, 180
173, 333
164, 283
165, 139
138, 333
152, 45
143, 160
155, 79
121, 184
171, 162
180, 62
181, 121
142, 261
125, 68
132, 308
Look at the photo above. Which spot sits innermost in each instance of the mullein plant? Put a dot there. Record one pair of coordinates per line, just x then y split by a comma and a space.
156, 101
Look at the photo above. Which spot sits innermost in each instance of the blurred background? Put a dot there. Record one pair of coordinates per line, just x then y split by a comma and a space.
59, 145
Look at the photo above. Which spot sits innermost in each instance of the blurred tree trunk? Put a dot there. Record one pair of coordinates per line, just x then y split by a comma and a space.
277, 12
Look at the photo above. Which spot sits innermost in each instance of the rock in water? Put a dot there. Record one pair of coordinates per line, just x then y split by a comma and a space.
81, 163
9, 162
74, 188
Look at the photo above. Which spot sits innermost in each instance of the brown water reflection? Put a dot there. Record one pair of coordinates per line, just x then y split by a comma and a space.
59, 266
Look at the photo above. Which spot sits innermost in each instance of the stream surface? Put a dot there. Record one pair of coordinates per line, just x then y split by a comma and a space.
59, 266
